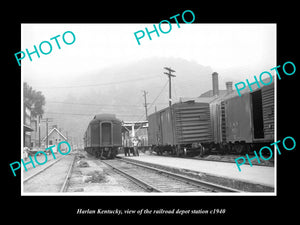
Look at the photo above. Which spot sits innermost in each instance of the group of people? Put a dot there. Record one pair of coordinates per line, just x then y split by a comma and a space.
134, 150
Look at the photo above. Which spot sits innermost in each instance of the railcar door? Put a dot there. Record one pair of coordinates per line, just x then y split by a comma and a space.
257, 115
106, 136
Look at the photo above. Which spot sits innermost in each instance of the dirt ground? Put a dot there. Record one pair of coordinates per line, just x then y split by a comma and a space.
92, 176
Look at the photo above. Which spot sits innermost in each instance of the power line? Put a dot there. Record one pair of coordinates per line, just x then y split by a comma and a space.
100, 84
154, 100
174, 88
158, 95
85, 114
81, 114
90, 104
94, 104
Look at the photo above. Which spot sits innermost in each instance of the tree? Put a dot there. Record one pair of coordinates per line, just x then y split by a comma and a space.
35, 99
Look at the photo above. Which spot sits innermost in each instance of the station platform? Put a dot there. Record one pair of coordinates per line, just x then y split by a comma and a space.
250, 179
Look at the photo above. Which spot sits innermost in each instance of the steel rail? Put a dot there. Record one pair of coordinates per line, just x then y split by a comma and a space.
139, 182
192, 181
67, 179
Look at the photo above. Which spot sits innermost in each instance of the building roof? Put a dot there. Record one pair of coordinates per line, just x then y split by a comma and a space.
210, 93
54, 130
207, 96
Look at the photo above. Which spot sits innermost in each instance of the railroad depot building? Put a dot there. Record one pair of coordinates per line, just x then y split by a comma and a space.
135, 129
54, 137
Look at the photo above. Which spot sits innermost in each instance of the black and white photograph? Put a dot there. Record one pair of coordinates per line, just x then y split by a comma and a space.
150, 111
181, 113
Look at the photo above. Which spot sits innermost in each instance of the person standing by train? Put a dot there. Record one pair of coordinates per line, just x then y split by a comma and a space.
135, 143
126, 151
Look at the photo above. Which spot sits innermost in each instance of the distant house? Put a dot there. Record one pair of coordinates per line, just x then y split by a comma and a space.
54, 137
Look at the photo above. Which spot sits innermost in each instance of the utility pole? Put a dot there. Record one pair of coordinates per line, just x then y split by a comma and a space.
170, 75
145, 105
146, 111
158, 134
39, 117
47, 120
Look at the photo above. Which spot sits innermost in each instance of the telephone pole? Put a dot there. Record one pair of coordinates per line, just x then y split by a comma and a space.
47, 120
170, 75
145, 105
39, 121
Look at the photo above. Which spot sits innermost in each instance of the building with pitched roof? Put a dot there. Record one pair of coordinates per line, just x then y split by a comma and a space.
54, 137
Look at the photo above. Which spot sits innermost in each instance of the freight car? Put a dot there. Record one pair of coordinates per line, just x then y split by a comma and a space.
241, 124
103, 136
183, 132
226, 123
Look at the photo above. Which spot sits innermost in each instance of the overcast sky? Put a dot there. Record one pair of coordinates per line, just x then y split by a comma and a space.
236, 50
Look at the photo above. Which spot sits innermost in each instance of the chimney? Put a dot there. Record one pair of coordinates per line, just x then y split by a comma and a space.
215, 83
229, 87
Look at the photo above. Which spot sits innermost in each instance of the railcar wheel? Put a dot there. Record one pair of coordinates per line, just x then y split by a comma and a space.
241, 148
238, 148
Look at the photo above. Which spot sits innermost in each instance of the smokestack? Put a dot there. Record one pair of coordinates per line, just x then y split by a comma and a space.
215, 83
229, 87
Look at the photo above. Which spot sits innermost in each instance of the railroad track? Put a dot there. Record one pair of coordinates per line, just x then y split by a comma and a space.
156, 180
64, 187
38, 181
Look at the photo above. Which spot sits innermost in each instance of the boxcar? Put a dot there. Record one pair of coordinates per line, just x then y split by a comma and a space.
243, 123
103, 136
182, 131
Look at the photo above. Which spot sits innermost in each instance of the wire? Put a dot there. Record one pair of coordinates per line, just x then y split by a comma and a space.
158, 95
154, 100
101, 84
92, 104
174, 88
82, 114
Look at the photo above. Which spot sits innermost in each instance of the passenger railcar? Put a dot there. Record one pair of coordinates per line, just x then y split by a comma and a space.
103, 136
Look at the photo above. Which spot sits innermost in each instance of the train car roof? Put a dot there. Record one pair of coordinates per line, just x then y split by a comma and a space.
105, 117
182, 103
